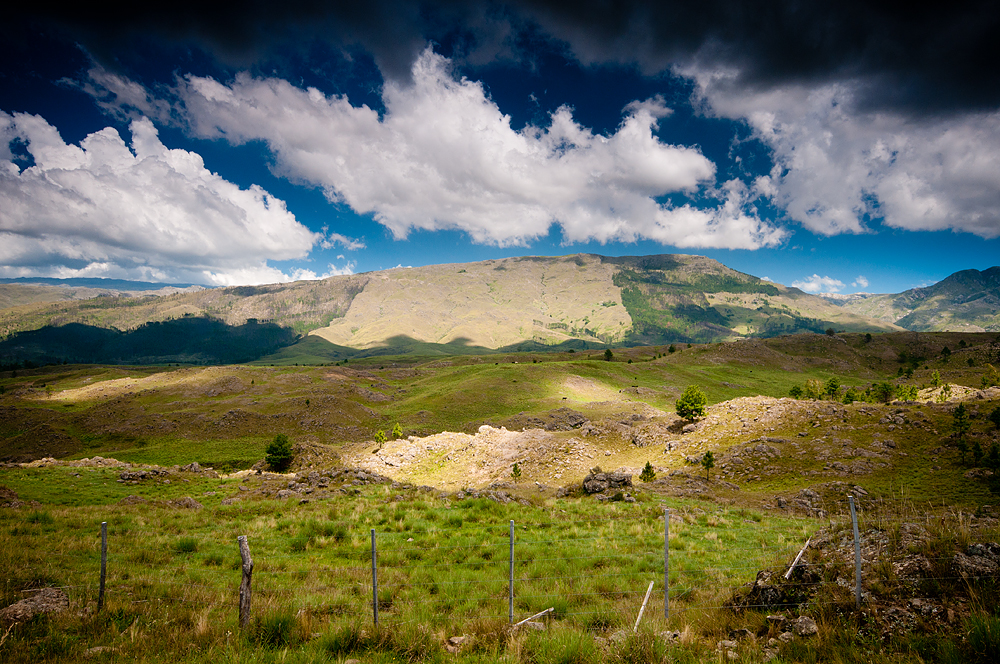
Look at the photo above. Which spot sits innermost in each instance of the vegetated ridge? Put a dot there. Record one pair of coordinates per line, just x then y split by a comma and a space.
523, 303
966, 301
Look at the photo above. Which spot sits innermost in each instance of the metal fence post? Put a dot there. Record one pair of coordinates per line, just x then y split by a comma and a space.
857, 554
104, 564
510, 600
374, 580
666, 564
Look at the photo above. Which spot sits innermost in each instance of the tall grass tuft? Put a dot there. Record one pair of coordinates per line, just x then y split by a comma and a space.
273, 631
984, 637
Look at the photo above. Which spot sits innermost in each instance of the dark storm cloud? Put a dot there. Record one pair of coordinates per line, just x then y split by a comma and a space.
921, 58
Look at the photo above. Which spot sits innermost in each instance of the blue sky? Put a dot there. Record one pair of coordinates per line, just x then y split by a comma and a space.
838, 148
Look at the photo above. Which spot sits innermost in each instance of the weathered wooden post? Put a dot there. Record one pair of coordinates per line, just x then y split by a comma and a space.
374, 580
245, 582
510, 598
857, 554
104, 564
666, 564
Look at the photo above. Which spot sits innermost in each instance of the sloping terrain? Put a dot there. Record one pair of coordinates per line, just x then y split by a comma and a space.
966, 301
516, 303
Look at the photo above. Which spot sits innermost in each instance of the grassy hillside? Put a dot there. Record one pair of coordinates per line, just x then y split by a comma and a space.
582, 300
967, 301
696, 299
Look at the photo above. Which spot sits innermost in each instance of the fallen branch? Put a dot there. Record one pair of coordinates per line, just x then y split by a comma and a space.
537, 615
795, 562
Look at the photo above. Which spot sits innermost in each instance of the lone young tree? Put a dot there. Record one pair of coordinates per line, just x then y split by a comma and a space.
647, 474
608, 355
692, 404
960, 422
279, 453
708, 463
515, 472
397, 431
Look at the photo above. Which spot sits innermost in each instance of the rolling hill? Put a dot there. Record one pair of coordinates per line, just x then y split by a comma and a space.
531, 302
966, 301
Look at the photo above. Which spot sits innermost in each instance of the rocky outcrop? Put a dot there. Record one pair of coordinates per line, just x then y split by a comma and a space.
46, 600
599, 481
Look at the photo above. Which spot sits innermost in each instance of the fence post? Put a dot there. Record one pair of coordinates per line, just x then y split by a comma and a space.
104, 564
857, 554
510, 600
245, 581
666, 563
374, 580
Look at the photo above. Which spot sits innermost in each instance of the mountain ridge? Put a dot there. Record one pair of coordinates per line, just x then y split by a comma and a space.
965, 301
536, 301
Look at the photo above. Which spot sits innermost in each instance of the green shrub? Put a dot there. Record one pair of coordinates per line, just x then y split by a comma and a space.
279, 453
692, 404
648, 474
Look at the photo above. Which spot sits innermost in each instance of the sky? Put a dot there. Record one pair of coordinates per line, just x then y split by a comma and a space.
833, 146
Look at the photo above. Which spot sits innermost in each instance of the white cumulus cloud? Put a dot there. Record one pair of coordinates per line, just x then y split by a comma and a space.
835, 163
443, 156
818, 284
860, 282
104, 208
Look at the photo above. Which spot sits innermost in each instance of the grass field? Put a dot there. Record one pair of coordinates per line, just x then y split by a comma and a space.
444, 558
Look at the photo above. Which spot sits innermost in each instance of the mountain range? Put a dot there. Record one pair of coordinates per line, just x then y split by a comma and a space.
966, 301
581, 300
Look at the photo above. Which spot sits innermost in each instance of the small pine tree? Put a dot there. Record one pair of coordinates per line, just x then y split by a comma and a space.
831, 388
380, 437
977, 454
960, 422
608, 355
708, 463
795, 392
995, 417
692, 404
672, 349
993, 458
647, 474
279, 453
936, 378
991, 378
397, 431
515, 472
814, 388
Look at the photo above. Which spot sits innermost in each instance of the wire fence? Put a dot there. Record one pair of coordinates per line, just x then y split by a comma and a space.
590, 571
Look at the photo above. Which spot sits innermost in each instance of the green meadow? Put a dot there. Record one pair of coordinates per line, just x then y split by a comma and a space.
443, 559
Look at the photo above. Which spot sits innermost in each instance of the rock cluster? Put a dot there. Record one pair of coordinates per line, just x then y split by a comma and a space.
608, 486
46, 600
599, 481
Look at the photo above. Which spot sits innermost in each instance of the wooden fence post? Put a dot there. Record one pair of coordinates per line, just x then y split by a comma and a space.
104, 564
374, 580
857, 554
245, 582
666, 564
510, 596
